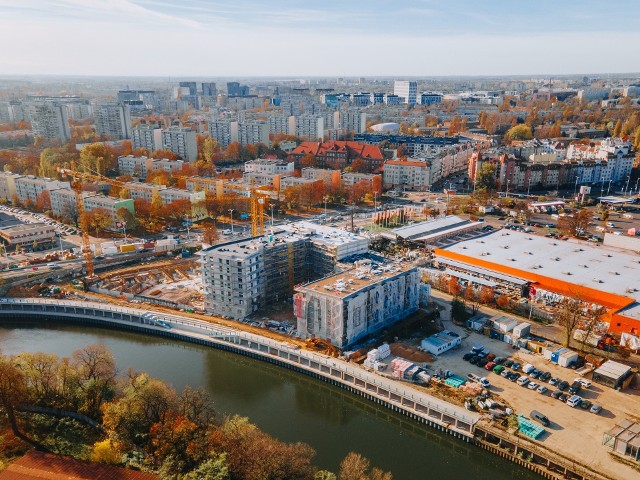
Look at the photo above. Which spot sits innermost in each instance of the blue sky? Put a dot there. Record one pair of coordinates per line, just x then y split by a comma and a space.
324, 38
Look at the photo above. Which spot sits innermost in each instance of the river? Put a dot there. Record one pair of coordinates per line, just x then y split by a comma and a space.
287, 405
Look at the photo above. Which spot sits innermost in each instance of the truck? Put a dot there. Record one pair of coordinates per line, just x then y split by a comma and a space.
481, 380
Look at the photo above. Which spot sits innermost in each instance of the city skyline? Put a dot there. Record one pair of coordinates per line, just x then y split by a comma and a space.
286, 38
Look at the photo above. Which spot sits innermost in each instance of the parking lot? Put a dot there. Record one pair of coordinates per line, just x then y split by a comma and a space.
572, 429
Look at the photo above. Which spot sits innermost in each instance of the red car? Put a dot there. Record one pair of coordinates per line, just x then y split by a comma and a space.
489, 366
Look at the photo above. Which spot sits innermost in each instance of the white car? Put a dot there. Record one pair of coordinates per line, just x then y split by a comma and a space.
585, 383
533, 385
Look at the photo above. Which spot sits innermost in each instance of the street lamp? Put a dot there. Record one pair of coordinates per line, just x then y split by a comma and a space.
231, 214
601, 184
626, 186
609, 187
187, 223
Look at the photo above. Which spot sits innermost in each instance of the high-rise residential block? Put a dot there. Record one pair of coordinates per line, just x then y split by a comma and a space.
407, 90
113, 120
181, 141
49, 120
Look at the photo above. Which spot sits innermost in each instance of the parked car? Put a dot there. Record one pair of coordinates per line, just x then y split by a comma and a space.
508, 363
516, 365
522, 381
482, 362
499, 360
574, 400
514, 376
583, 381
595, 409
554, 381
541, 418
563, 385
533, 385
585, 404
575, 388
535, 373
474, 360
489, 366
556, 394
542, 389
545, 376
490, 357
505, 373
564, 397
498, 369
467, 356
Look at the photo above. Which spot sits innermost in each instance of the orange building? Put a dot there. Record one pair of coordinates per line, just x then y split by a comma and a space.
603, 276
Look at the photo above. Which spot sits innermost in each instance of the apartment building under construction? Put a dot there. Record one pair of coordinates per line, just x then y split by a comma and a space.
242, 276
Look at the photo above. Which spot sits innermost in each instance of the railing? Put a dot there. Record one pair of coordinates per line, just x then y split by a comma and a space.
353, 377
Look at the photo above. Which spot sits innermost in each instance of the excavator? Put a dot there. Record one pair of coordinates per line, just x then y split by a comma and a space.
318, 344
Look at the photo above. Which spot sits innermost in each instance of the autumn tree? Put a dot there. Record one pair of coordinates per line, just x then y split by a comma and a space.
13, 391
43, 201
98, 220
96, 158
453, 286
209, 234
95, 366
486, 177
503, 302
617, 130
569, 314
487, 295
177, 211
129, 219
209, 150
356, 467
574, 224
472, 298
309, 161
519, 132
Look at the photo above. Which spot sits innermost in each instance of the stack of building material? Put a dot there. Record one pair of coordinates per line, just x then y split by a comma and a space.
472, 388
400, 366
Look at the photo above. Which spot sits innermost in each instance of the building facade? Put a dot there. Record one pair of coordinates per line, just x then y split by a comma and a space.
181, 141
347, 306
49, 120
148, 137
410, 175
113, 120
406, 90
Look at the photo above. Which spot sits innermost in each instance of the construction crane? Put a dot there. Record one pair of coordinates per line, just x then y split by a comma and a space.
257, 212
76, 184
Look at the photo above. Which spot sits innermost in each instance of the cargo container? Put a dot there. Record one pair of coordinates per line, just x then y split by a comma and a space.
130, 247
110, 251
567, 358
556, 354
522, 330
504, 324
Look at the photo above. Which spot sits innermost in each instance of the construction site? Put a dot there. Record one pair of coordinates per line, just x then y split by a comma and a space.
172, 283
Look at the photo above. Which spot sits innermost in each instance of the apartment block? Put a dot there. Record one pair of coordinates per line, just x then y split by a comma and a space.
310, 127
49, 120
166, 165
113, 120
63, 203
406, 90
143, 191
110, 204
8, 186
347, 306
353, 121
409, 175
329, 177
242, 276
220, 131
148, 137
181, 141
135, 166
250, 133
29, 187
269, 166
278, 124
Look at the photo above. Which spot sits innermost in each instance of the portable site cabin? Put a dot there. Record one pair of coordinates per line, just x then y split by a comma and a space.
613, 374
522, 330
504, 324
441, 342
567, 358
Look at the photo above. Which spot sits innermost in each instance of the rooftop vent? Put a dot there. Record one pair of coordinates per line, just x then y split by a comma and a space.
566, 273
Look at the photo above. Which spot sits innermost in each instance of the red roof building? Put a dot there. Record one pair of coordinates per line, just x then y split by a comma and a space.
44, 466
338, 154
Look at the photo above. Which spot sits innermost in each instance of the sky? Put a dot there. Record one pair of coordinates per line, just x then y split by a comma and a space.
284, 38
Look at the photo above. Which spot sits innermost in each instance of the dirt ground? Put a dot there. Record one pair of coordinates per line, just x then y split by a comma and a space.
573, 432
410, 353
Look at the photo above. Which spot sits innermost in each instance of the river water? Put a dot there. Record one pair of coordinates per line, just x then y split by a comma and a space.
287, 405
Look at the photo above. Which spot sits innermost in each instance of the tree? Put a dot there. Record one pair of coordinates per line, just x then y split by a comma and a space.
105, 451
575, 224
568, 315
356, 467
13, 391
487, 294
96, 158
209, 234
486, 177
503, 301
617, 130
129, 219
98, 220
209, 149
519, 132
43, 201
454, 287
215, 468
176, 211
69, 212
156, 201
472, 299
359, 165
96, 369
309, 161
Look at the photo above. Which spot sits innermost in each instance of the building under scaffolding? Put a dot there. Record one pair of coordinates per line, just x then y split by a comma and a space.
242, 276
347, 306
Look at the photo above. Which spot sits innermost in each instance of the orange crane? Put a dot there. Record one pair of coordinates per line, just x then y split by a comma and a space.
76, 185
257, 212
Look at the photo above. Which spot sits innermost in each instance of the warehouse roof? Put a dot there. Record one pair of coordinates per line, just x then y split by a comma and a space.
434, 228
612, 369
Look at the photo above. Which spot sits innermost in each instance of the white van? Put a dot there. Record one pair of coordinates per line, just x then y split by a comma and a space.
574, 400
528, 368
226, 232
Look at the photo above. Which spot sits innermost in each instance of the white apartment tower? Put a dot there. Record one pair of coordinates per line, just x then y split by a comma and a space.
220, 131
49, 120
181, 141
407, 90
308, 126
113, 120
148, 137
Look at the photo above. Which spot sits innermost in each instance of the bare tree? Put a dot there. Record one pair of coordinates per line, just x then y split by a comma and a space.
569, 315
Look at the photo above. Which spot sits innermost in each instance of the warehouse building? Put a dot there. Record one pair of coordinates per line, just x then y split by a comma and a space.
437, 231
347, 306
549, 270
32, 235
